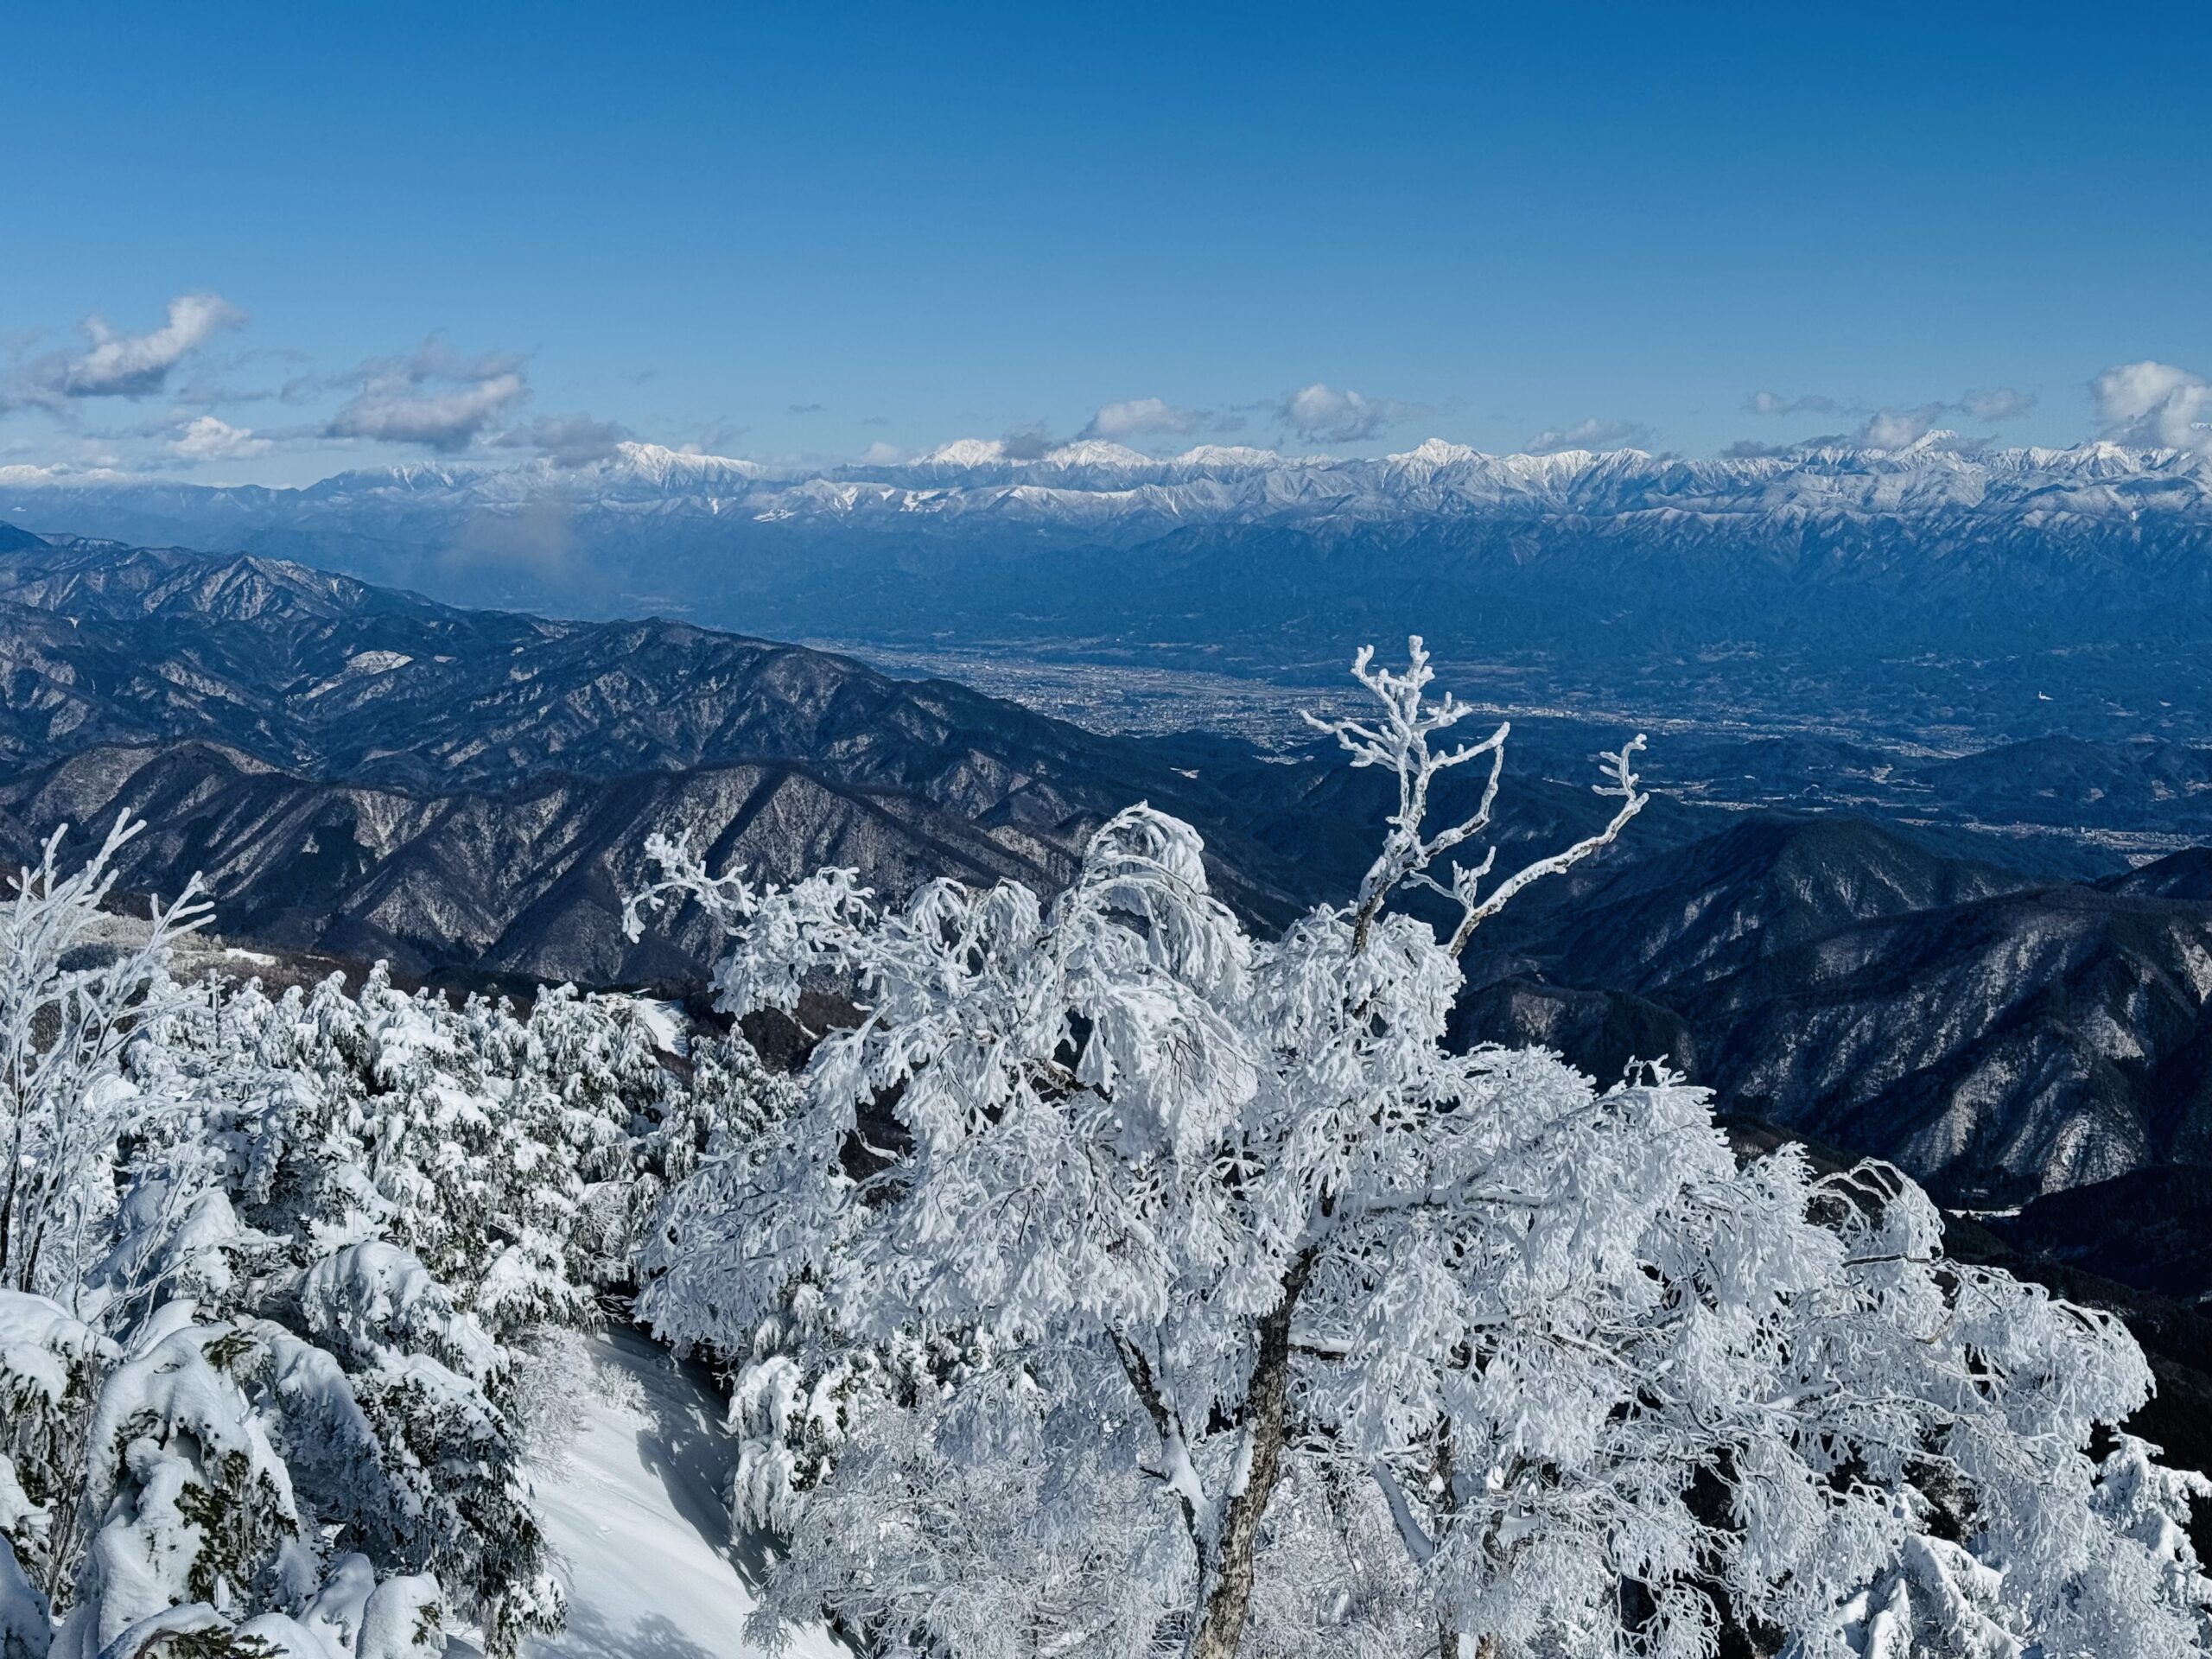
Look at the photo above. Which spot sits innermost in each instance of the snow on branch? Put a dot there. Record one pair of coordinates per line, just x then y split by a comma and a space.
1210, 1288
783, 934
1400, 740
1622, 783
62, 1032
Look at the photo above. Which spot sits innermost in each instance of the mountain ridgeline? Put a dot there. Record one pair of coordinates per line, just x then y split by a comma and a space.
367, 772
1937, 589
363, 772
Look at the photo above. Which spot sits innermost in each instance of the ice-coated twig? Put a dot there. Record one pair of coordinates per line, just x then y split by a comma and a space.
1400, 740
1621, 782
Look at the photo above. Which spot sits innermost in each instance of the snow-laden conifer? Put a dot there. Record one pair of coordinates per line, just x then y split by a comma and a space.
276, 1272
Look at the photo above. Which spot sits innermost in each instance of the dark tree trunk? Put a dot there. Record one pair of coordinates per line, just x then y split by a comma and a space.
1445, 1468
1225, 1591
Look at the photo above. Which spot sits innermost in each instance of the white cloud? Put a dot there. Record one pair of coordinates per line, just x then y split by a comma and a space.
1893, 428
130, 366
430, 398
1998, 404
1031, 442
1773, 402
113, 364
27, 475
1593, 435
880, 453
2156, 404
1138, 416
206, 438
1896, 428
1325, 414
568, 440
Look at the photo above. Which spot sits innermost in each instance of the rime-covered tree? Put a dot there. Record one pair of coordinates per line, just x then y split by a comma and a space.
66, 1107
281, 1273
1259, 1270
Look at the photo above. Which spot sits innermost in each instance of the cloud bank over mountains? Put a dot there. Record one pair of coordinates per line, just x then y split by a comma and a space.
1592, 434
1888, 428
1146, 417
430, 398
437, 400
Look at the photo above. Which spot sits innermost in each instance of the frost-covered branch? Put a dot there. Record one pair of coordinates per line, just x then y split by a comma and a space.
1401, 740
1621, 782
1419, 1545
64, 1104
1214, 1286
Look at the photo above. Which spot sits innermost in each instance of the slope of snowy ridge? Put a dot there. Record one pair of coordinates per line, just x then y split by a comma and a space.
1102, 484
639, 1523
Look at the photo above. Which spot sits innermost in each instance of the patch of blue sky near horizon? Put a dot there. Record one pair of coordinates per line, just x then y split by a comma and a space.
798, 233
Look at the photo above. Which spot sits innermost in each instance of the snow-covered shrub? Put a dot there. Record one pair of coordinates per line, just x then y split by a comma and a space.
401, 1175
190, 1501
274, 1276
1237, 1236
554, 1377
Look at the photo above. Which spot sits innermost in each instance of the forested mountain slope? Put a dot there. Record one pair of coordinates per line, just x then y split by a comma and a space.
368, 773
362, 770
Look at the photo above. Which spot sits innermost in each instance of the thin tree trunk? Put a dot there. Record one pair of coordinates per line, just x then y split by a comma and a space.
1444, 1468
1226, 1592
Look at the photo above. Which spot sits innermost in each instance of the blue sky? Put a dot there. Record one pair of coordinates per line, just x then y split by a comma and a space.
797, 232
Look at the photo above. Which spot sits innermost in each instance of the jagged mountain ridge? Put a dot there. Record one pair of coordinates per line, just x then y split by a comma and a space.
2015, 1045
366, 772
267, 708
1997, 1033
1106, 483
1700, 913
529, 881
2185, 874
1996, 1037
336, 679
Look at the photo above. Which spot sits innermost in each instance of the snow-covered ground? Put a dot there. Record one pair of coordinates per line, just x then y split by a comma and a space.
638, 1518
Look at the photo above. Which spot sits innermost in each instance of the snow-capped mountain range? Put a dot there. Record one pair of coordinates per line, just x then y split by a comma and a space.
1931, 591
1106, 488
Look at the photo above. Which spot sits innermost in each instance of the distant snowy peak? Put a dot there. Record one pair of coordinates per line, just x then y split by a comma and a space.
650, 462
964, 451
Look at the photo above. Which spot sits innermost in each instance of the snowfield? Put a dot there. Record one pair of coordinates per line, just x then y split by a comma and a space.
638, 1522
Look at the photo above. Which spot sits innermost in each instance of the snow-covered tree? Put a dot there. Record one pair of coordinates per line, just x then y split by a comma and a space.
1241, 1237
274, 1275
64, 1104
388, 1182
